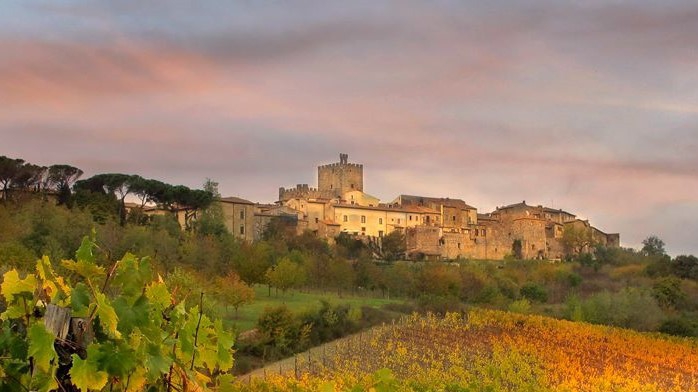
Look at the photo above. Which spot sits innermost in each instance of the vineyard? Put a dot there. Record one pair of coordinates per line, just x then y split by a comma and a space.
492, 350
122, 328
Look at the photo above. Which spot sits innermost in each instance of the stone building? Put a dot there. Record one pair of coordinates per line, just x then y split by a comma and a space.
334, 180
239, 217
434, 227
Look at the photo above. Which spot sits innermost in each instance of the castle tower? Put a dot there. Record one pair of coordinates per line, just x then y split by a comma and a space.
337, 178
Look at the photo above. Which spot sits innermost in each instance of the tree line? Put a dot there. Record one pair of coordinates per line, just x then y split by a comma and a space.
102, 194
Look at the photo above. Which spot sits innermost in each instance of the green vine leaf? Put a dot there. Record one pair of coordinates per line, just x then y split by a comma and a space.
158, 294
85, 266
107, 315
86, 374
80, 300
41, 346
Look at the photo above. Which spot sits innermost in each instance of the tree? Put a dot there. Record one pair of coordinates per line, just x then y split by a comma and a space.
394, 245
234, 291
576, 239
685, 267
61, 178
9, 170
517, 249
285, 275
653, 246
211, 220
668, 292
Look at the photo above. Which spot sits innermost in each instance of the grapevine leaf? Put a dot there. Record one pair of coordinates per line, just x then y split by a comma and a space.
86, 374
157, 294
107, 315
132, 316
225, 383
85, 266
43, 382
117, 359
52, 285
13, 285
137, 380
80, 300
225, 343
14, 311
156, 363
84, 252
206, 355
131, 275
86, 269
12, 343
41, 346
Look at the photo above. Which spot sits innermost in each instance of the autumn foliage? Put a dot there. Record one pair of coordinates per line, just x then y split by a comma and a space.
494, 350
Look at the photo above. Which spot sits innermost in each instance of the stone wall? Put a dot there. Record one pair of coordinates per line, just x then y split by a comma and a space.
301, 191
423, 240
338, 178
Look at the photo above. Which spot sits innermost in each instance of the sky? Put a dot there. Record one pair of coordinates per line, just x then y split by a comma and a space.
590, 106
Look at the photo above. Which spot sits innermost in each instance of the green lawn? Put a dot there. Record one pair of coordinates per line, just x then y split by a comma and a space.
296, 302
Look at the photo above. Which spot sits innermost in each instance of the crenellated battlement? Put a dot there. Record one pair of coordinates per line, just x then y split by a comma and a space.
339, 164
334, 179
300, 191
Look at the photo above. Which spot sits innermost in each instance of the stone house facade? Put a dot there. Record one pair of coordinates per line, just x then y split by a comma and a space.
435, 228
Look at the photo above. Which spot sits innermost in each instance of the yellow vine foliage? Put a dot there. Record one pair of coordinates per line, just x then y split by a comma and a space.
498, 351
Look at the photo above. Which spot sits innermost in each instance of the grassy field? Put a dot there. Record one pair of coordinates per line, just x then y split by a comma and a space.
296, 302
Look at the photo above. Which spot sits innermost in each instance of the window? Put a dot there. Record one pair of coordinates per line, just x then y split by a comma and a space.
345, 218
317, 220
477, 232
242, 214
453, 218
398, 221
484, 234
363, 218
242, 230
352, 186
363, 229
380, 221
459, 245
410, 217
380, 233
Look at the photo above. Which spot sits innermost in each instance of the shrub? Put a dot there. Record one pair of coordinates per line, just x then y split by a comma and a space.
680, 326
667, 291
629, 308
534, 292
522, 306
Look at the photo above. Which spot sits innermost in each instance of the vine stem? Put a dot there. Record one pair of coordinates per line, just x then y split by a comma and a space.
169, 376
198, 324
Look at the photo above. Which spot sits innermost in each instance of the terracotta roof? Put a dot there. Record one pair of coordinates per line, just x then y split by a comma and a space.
436, 200
522, 204
236, 200
383, 207
548, 209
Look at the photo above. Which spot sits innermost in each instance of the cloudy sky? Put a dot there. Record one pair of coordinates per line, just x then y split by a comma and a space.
590, 106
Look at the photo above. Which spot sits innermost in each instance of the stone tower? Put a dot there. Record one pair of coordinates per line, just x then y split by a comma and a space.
336, 178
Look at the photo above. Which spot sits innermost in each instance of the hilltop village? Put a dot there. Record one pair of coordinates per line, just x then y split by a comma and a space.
434, 228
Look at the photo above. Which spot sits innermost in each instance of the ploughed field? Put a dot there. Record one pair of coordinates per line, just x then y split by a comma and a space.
493, 350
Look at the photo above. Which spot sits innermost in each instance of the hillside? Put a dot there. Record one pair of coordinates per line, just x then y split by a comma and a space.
495, 350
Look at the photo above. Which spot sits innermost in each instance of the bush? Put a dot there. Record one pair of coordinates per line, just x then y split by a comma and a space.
667, 291
440, 304
522, 306
534, 292
630, 308
680, 326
